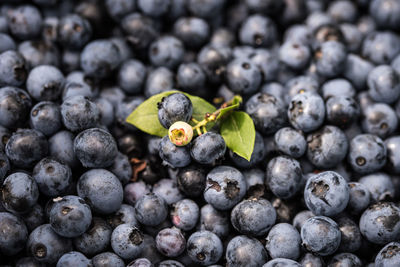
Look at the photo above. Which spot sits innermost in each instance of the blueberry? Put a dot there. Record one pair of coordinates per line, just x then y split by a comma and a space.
306, 111
283, 176
126, 241
318, 19
255, 179
141, 262
204, 247
327, 147
19, 192
191, 180
124, 215
99, 58
245, 251
267, 61
70, 216
330, 58
343, 11
151, 209
46, 246
154, 8
74, 31
131, 76
367, 153
299, 85
168, 190
14, 234
351, 239
13, 69
185, 214
6, 42
170, 242
342, 111
383, 12
166, 51
213, 60
107, 259
106, 110
295, 55
380, 46
140, 30
117, 9
113, 94
326, 193
389, 255
311, 260
379, 185
73, 259
359, 198
38, 53
258, 31
34, 218
133, 191
150, 250
159, 80
222, 37
79, 113
320, 235
384, 84
243, 76
126, 107
380, 223
52, 177
46, 117
76, 83
353, 37
24, 21
345, 259
301, 217
281, 262
172, 155
95, 148
326, 32
61, 147
15, 105
101, 190
208, 148
214, 221
192, 31
96, 239
267, 112
290, 141
170, 263
225, 187
337, 88
283, 241
5, 167
190, 77
173, 108
356, 70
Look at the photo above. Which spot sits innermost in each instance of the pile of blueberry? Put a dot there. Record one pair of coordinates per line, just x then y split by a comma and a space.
80, 187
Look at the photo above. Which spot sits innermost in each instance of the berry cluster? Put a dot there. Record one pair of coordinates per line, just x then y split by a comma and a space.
312, 180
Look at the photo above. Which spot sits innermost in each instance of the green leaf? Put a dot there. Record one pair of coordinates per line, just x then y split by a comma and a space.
239, 133
145, 116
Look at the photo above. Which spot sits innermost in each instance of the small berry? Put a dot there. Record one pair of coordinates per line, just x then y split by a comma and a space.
180, 133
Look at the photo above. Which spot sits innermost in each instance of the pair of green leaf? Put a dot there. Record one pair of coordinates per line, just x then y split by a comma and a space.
237, 128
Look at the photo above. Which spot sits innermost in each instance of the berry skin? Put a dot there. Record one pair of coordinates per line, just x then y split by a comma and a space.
167, 51
283, 241
126, 241
380, 119
253, 217
173, 108
121, 167
24, 21
180, 133
284, 176
15, 105
326, 193
185, 214
320, 235
79, 113
70, 216
330, 58
267, 112
208, 148
351, 240
101, 190
45, 83
14, 238
306, 111
168, 190
172, 155
151, 209
107, 259
291, 142
95, 148
327, 147
74, 31
170, 242
204, 247
46, 246
73, 259
359, 198
13, 68
61, 147
282, 262
379, 185
245, 251
380, 223
225, 187
342, 111
19, 193
389, 255
393, 156
131, 76
243, 76
367, 153
214, 221
191, 180
5, 166
384, 84
258, 31
46, 118
348, 259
